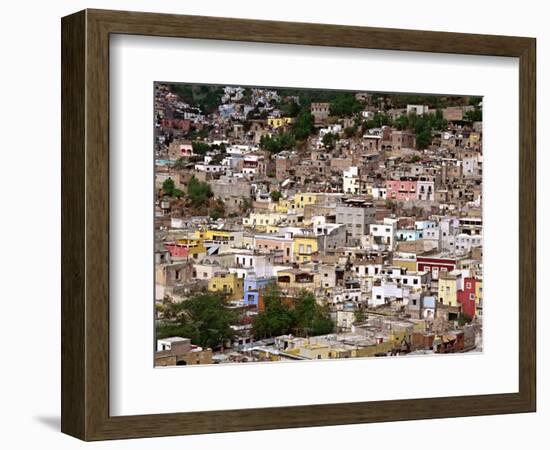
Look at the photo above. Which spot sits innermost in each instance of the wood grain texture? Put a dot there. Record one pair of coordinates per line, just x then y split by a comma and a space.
527, 224
85, 224
73, 271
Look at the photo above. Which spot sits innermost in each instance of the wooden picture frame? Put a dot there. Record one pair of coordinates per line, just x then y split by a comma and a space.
85, 224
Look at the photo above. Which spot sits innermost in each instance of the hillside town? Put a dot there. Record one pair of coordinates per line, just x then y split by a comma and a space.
298, 224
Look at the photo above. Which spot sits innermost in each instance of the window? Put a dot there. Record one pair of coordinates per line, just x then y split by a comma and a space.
472, 297
468, 285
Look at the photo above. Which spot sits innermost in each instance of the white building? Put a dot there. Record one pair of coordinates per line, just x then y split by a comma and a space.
425, 189
465, 242
351, 180
387, 292
383, 234
379, 193
419, 110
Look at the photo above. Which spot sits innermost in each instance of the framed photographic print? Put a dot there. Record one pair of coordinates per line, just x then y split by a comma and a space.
272, 225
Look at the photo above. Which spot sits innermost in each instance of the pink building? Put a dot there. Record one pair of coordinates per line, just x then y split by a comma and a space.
280, 246
401, 190
177, 250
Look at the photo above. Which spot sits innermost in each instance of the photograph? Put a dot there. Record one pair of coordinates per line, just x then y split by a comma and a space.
275, 226
297, 224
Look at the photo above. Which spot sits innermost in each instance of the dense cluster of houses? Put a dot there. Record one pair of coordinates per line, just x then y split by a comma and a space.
386, 233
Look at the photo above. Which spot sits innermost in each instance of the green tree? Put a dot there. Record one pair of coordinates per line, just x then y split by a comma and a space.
168, 186
329, 141
303, 126
475, 101
401, 123
276, 318
349, 132
345, 105
311, 318
204, 319
198, 192
290, 109
275, 196
475, 115
379, 120
423, 139
200, 148
278, 142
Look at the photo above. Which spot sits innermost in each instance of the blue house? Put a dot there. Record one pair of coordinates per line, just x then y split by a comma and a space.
252, 286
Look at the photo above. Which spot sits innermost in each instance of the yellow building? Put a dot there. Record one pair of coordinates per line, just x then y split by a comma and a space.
260, 221
195, 246
304, 247
284, 205
315, 351
372, 350
304, 198
276, 122
296, 280
474, 137
447, 289
229, 284
214, 235
405, 260
272, 229
479, 296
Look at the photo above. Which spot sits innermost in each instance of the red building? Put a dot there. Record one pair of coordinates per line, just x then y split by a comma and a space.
435, 265
177, 250
467, 297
